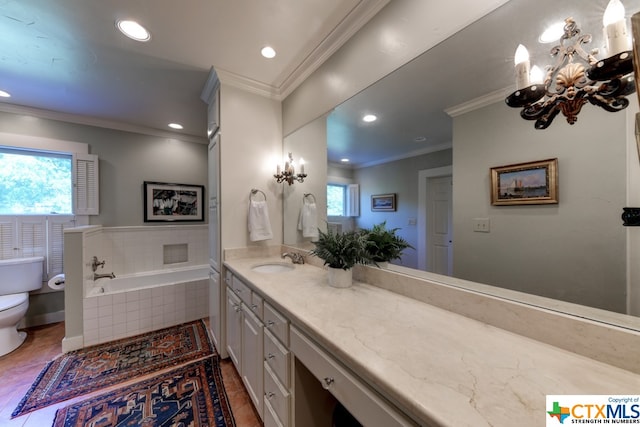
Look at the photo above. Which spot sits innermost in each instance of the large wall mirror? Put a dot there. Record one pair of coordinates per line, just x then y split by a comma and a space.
442, 124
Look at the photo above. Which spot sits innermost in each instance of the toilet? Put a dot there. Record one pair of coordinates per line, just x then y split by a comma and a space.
18, 276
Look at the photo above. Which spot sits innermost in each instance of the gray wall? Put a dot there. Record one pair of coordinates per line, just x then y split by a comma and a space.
126, 160
400, 177
573, 251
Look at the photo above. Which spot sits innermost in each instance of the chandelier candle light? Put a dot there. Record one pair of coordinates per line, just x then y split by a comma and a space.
288, 174
577, 76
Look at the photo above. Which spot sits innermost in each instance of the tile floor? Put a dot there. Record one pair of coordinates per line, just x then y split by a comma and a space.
20, 368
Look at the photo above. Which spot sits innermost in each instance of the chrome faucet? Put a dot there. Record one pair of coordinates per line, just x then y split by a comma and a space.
296, 258
95, 263
101, 276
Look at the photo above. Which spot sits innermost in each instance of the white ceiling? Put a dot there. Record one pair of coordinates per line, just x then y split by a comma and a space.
66, 57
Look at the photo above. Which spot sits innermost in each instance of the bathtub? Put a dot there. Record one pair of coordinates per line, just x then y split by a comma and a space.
134, 304
149, 279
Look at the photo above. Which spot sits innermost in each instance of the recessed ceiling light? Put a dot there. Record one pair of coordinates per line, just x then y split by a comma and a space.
133, 30
420, 139
369, 118
552, 33
268, 52
345, 160
175, 126
4, 94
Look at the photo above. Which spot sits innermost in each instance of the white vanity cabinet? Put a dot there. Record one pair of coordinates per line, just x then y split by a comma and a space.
277, 369
234, 328
245, 332
365, 404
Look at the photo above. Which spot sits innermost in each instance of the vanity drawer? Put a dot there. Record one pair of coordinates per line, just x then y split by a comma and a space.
276, 323
276, 396
277, 357
270, 418
256, 305
242, 290
370, 409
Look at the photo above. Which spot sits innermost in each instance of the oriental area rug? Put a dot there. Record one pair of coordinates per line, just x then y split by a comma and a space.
94, 368
192, 395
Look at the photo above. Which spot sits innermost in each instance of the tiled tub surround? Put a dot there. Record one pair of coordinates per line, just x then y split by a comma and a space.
437, 366
132, 252
127, 312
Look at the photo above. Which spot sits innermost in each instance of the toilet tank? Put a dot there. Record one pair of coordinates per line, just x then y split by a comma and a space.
20, 275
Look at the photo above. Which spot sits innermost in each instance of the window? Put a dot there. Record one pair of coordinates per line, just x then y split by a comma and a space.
35, 182
41, 194
336, 195
343, 200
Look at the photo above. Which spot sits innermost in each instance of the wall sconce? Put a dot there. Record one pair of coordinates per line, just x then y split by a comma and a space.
577, 77
288, 173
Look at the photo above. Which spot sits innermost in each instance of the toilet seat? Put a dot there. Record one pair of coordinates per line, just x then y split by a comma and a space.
10, 301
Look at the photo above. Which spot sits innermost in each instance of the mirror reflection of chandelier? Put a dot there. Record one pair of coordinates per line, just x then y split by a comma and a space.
577, 77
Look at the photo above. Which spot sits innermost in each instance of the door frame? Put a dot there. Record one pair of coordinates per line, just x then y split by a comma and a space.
423, 191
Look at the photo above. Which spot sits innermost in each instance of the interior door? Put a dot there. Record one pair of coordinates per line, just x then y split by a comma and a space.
439, 234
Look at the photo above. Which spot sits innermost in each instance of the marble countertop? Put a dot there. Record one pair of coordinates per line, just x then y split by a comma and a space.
439, 367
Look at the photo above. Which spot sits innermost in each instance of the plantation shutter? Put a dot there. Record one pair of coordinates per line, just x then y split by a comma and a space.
85, 184
353, 200
56, 243
7, 237
32, 239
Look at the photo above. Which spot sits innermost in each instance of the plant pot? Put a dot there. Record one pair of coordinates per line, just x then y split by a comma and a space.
339, 278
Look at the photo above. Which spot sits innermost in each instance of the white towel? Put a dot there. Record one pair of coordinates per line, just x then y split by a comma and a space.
259, 224
308, 220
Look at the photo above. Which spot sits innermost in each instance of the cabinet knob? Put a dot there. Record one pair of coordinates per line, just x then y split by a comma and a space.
271, 356
254, 306
237, 307
269, 394
270, 323
327, 382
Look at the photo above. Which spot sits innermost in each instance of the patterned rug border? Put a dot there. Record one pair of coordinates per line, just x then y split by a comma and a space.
26, 405
76, 409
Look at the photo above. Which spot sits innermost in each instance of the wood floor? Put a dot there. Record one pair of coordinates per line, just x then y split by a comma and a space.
20, 368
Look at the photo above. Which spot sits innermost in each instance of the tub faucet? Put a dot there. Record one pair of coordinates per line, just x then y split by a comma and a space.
97, 276
95, 263
296, 258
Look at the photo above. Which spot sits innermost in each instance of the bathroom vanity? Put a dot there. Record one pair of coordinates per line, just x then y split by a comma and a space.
390, 359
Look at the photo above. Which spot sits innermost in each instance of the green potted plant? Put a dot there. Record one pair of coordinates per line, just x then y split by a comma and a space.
340, 252
384, 244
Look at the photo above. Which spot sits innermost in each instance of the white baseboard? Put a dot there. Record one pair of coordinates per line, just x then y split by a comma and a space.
72, 343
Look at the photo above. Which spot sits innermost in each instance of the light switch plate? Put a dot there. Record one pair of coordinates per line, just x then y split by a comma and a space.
481, 225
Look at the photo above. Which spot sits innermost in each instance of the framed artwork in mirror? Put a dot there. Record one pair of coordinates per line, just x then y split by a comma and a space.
383, 202
173, 202
532, 183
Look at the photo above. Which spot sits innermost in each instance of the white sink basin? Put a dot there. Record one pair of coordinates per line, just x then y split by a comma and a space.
273, 267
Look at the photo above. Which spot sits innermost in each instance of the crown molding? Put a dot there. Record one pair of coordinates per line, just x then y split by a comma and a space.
97, 122
482, 101
427, 150
351, 24
293, 77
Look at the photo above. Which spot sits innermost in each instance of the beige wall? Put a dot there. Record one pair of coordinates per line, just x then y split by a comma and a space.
251, 141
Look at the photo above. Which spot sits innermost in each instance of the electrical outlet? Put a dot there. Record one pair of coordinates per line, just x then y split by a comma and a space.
412, 221
481, 225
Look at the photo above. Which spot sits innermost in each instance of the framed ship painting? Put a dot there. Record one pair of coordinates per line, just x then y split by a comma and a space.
532, 183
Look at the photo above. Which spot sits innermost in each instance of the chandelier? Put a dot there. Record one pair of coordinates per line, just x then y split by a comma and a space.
288, 173
577, 77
